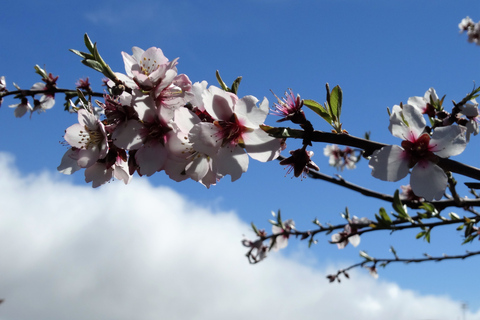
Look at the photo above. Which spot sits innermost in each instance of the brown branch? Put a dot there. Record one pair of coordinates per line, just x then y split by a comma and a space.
367, 145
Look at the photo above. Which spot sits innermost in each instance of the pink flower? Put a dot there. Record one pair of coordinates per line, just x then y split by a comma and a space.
418, 151
300, 162
102, 172
88, 137
147, 134
184, 161
148, 68
235, 127
290, 108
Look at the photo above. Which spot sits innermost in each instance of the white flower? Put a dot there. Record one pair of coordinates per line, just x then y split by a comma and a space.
423, 104
470, 110
418, 151
340, 158
21, 108
281, 241
235, 127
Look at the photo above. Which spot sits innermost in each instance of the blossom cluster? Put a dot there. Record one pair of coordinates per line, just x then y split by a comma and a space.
472, 29
46, 93
341, 158
158, 120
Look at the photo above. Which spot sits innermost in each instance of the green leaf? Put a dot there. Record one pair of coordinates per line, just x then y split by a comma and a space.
88, 43
41, 72
453, 216
93, 64
220, 81
427, 235
398, 205
420, 234
364, 255
279, 219
318, 109
335, 103
384, 215
82, 54
255, 229
470, 238
235, 84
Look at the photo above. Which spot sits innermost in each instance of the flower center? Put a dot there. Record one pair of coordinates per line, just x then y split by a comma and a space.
157, 132
90, 138
147, 66
418, 150
230, 131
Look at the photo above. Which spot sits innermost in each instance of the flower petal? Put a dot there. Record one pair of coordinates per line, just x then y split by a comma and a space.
260, 146
232, 160
448, 141
428, 181
389, 163
401, 117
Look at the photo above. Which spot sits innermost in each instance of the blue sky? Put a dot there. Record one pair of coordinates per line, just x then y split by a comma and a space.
379, 53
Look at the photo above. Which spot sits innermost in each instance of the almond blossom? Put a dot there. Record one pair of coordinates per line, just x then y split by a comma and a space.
283, 232
88, 138
21, 108
234, 132
470, 110
3, 87
47, 99
300, 162
147, 69
340, 158
349, 233
419, 152
424, 104
146, 134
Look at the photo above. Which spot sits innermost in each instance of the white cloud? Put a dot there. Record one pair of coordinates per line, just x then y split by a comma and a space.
143, 252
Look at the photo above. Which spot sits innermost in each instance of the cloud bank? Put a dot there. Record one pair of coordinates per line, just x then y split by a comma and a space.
144, 252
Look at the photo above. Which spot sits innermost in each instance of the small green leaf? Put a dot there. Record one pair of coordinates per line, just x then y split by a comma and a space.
88, 43
364, 255
430, 208
93, 64
235, 84
427, 235
41, 72
82, 54
398, 206
279, 218
453, 216
420, 234
255, 229
384, 215
220, 81
318, 109
335, 103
